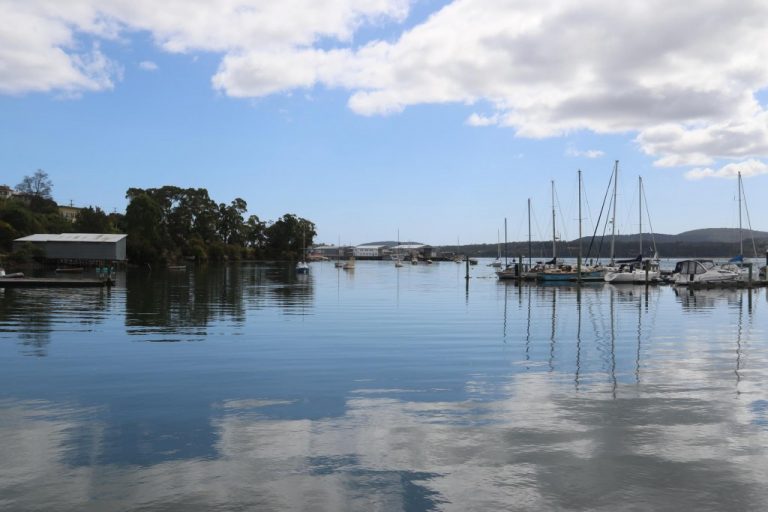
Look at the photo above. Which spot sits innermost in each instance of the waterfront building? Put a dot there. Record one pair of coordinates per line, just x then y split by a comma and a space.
372, 252
78, 247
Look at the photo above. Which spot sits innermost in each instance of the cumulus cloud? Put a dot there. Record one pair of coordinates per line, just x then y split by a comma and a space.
589, 153
481, 120
148, 65
545, 68
747, 169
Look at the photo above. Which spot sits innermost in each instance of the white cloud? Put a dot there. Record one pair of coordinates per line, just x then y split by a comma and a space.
148, 65
747, 168
545, 67
481, 120
589, 153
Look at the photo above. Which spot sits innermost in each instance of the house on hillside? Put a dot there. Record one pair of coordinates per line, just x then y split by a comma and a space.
69, 212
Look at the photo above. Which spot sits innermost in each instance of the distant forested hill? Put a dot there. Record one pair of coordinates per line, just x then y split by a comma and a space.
710, 242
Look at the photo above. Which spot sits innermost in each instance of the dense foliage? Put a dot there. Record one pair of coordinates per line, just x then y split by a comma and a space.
163, 224
172, 223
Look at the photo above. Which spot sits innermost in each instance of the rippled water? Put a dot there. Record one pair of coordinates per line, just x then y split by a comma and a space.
249, 388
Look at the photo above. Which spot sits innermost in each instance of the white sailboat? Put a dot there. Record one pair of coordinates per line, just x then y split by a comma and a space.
398, 259
497, 262
634, 270
737, 262
302, 267
338, 263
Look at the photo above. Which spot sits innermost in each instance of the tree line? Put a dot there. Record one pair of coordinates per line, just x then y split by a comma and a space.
165, 224
170, 223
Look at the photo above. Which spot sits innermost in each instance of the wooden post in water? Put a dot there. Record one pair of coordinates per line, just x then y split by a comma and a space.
466, 259
520, 268
749, 285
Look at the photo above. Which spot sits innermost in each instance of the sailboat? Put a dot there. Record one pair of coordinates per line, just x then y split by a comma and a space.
634, 270
565, 272
737, 262
302, 267
398, 262
338, 263
497, 262
509, 272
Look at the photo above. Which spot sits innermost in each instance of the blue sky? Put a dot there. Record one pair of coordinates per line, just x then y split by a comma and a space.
390, 114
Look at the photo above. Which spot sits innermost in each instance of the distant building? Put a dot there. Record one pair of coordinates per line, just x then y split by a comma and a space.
85, 247
332, 251
69, 212
372, 252
5, 192
421, 251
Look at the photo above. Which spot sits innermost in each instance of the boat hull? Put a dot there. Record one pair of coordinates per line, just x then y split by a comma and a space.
634, 277
595, 275
709, 277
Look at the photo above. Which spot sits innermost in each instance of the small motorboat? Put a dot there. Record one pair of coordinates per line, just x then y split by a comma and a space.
702, 271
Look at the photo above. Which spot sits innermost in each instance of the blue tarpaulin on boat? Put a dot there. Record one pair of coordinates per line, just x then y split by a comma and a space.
737, 259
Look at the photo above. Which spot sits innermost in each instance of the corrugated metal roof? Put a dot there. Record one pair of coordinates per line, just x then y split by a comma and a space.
73, 237
369, 246
410, 246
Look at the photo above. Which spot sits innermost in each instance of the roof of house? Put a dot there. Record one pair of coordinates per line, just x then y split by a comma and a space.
73, 237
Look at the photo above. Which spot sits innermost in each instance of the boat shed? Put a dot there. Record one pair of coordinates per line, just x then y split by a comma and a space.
418, 250
78, 246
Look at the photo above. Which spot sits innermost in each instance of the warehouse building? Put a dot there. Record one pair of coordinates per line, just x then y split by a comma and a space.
420, 251
80, 247
371, 252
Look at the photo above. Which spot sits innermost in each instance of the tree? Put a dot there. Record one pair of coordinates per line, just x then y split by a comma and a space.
142, 221
37, 185
289, 236
92, 220
231, 225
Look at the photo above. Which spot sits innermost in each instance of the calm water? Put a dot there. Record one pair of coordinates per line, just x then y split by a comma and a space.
249, 388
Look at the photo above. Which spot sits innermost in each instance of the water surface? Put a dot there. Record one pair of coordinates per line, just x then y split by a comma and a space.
246, 387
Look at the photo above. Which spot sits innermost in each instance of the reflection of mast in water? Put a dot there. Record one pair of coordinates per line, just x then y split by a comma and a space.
639, 335
504, 326
738, 343
613, 346
397, 285
578, 336
528, 330
552, 337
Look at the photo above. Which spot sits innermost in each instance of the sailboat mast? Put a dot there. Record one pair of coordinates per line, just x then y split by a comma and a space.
506, 263
578, 262
613, 220
640, 210
554, 235
529, 232
741, 238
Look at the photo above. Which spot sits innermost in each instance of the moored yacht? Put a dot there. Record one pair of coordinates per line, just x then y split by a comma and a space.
702, 271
